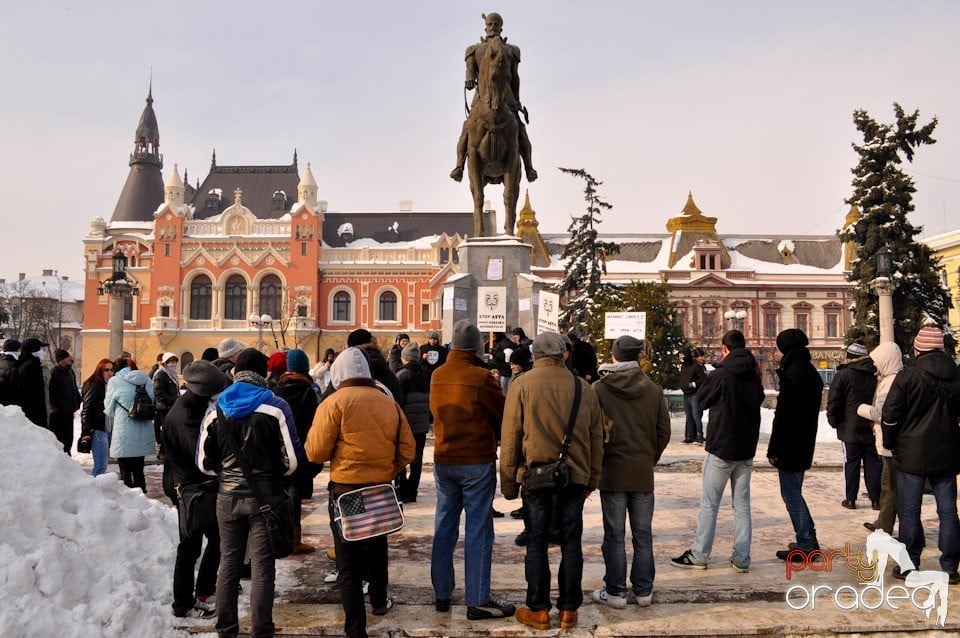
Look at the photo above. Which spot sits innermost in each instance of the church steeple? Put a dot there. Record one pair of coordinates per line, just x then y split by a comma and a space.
143, 191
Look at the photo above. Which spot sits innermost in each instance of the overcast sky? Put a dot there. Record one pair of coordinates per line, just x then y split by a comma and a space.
746, 104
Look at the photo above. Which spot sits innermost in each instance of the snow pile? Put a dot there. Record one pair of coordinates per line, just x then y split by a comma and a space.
79, 556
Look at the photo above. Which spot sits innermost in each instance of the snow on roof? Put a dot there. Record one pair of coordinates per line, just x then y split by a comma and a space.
46, 286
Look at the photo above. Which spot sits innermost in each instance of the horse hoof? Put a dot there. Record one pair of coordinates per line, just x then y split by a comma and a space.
531, 175
457, 174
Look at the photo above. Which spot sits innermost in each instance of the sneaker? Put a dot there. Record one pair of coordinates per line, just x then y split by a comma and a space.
493, 608
201, 610
331, 577
740, 569
700, 440
850, 505
645, 601
604, 597
568, 618
687, 561
522, 538
536, 619
900, 575
441, 604
387, 606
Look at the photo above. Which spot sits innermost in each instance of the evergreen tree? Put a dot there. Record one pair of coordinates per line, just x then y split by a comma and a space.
584, 258
884, 195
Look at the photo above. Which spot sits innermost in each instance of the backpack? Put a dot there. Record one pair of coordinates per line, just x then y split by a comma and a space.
142, 407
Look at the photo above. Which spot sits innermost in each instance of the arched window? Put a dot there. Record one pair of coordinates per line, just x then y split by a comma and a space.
271, 295
341, 306
200, 290
388, 306
235, 300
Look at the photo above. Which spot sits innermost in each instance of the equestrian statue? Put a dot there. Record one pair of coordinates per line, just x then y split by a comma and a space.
494, 139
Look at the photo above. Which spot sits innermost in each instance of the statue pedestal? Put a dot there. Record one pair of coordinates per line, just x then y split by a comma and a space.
501, 262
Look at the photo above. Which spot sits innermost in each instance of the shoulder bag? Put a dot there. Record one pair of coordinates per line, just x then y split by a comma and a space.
197, 506
550, 478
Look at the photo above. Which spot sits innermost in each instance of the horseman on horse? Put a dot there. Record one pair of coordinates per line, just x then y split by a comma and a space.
494, 137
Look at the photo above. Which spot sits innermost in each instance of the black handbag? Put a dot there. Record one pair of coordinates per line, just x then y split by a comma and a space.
277, 517
197, 506
550, 478
85, 443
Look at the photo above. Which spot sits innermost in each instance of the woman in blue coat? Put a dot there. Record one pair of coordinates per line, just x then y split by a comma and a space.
132, 439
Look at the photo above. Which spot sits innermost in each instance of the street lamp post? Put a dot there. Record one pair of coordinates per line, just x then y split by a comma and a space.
884, 287
260, 322
119, 287
735, 317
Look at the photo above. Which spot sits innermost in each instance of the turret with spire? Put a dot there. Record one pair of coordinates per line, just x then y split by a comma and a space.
143, 191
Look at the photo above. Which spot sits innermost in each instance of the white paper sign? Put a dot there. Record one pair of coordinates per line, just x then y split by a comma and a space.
460, 304
548, 319
448, 298
491, 308
617, 324
495, 269
523, 304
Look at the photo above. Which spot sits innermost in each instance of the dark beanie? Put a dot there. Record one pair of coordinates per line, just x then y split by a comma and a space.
627, 348
253, 360
210, 354
205, 379
60, 355
791, 339
359, 337
466, 337
297, 361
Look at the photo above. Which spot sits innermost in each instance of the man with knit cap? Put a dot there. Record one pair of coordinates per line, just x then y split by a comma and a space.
794, 436
855, 383
433, 353
414, 381
538, 408
229, 349
379, 368
64, 398
920, 425
467, 407
180, 431
636, 431
261, 427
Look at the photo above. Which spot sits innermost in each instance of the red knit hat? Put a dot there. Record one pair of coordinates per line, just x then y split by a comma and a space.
929, 338
277, 362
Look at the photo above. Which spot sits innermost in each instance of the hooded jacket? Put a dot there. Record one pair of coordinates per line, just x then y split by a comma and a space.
794, 435
854, 383
298, 390
263, 425
64, 395
181, 430
467, 407
733, 393
691, 376
535, 421
889, 362
358, 428
414, 381
131, 437
920, 416
636, 425
28, 388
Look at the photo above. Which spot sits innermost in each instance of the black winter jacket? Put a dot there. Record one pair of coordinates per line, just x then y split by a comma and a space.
794, 434
7, 365
92, 416
165, 390
298, 391
691, 376
920, 417
855, 383
733, 393
414, 381
30, 393
181, 429
64, 395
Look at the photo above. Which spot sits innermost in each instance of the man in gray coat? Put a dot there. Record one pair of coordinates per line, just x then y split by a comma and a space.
636, 426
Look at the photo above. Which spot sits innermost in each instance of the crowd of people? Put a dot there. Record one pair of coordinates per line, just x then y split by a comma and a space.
252, 430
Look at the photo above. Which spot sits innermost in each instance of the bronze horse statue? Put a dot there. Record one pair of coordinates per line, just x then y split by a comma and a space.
492, 148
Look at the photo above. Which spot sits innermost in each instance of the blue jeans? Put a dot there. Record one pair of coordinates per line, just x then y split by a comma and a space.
100, 448
461, 488
616, 506
539, 513
716, 474
910, 493
791, 491
694, 425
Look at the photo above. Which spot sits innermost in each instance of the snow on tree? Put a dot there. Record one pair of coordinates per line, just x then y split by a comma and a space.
884, 194
584, 258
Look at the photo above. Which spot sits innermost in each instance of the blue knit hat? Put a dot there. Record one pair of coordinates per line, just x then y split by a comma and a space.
297, 361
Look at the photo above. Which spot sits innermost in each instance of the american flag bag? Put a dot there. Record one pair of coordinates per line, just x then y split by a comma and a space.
368, 512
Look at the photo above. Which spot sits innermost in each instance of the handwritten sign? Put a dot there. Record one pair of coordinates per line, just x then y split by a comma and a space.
617, 324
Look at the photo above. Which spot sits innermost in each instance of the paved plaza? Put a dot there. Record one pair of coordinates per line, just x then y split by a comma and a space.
715, 602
